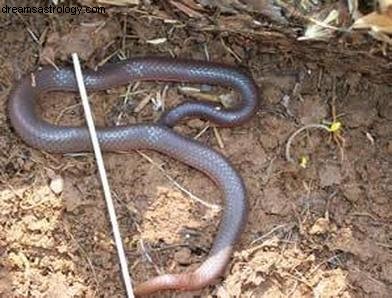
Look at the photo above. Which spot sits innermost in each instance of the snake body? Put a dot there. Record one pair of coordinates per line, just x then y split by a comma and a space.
159, 137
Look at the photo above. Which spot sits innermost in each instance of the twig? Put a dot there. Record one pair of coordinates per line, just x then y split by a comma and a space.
123, 39
88, 259
63, 111
106, 59
218, 137
269, 233
227, 48
384, 245
291, 138
3, 180
143, 103
205, 47
149, 258
176, 184
31, 33
125, 101
365, 214
200, 133
319, 265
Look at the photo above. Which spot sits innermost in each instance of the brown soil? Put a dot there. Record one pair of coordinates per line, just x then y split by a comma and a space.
320, 231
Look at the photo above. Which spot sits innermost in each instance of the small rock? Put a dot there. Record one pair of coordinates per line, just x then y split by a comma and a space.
321, 226
183, 256
352, 192
57, 184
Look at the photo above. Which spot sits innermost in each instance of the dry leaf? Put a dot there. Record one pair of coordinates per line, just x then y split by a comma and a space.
375, 21
321, 27
83, 39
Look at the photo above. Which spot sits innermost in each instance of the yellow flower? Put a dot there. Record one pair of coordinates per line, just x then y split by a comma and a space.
335, 126
304, 162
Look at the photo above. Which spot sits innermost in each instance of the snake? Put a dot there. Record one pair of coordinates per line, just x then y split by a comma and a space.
157, 136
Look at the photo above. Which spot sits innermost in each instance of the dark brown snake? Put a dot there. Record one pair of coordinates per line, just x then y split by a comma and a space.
159, 137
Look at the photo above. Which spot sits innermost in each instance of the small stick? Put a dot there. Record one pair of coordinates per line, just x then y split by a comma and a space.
227, 48
124, 33
218, 137
125, 101
63, 111
104, 180
178, 185
199, 134
269, 233
106, 59
143, 103
86, 255
290, 140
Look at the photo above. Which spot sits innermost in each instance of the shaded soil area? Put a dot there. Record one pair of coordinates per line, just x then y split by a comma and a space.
320, 230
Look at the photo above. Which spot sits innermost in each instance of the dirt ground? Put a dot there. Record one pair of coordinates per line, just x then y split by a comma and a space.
321, 230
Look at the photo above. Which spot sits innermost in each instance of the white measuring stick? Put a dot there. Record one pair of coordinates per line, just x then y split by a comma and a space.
104, 180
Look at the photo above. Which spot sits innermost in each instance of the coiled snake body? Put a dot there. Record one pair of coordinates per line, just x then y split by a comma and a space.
160, 137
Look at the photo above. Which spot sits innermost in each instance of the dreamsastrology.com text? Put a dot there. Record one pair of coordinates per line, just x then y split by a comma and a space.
60, 9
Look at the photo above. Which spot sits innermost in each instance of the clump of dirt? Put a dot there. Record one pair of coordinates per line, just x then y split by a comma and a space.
321, 230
